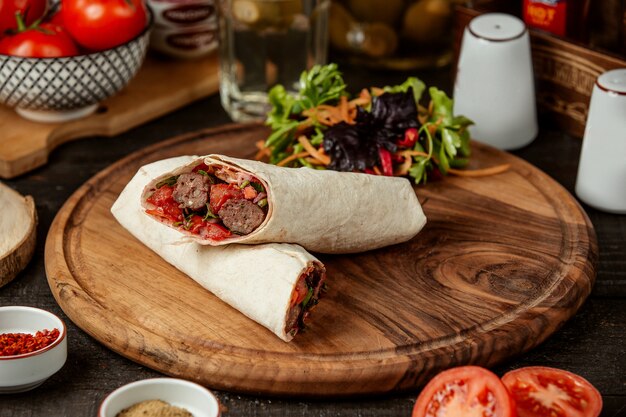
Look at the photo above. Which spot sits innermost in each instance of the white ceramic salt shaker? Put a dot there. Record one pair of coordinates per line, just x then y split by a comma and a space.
494, 82
601, 180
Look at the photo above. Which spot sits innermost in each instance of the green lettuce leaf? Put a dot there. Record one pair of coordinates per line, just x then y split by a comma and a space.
416, 83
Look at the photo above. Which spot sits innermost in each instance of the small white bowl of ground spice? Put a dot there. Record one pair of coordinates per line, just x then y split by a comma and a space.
160, 397
33, 347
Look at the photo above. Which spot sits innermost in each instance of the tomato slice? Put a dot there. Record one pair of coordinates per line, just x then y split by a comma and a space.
165, 205
547, 392
214, 231
465, 391
195, 224
207, 230
161, 195
221, 193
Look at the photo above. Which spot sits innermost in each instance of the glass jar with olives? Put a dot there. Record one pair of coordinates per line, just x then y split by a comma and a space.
393, 34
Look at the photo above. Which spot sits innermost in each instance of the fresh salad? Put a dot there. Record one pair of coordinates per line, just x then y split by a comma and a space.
382, 131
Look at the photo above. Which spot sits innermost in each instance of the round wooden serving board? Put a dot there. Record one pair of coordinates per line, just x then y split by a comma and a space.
502, 263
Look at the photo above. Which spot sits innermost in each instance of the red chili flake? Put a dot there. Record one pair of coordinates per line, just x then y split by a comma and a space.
12, 344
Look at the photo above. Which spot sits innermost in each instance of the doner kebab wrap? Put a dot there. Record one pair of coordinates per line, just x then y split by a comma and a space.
217, 200
277, 293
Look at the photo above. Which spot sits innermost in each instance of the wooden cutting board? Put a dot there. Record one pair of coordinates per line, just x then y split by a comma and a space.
161, 86
503, 262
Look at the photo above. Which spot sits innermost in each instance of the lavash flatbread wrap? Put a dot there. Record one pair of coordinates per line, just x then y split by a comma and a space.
277, 293
218, 200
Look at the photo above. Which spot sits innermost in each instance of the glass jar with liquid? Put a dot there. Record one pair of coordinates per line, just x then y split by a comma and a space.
392, 34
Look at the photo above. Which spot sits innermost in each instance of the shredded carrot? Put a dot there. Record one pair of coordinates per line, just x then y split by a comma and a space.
413, 153
324, 114
408, 161
405, 167
377, 91
377, 171
360, 101
343, 110
263, 151
313, 161
498, 169
432, 128
365, 94
304, 125
327, 119
292, 158
422, 114
312, 151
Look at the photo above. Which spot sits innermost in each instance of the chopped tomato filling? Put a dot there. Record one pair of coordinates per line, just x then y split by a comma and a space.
165, 205
221, 193
299, 293
195, 203
202, 167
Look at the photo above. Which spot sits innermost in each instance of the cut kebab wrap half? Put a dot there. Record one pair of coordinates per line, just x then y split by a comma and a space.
278, 293
218, 200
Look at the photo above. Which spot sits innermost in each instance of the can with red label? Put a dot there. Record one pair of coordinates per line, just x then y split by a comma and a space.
548, 15
184, 28
567, 18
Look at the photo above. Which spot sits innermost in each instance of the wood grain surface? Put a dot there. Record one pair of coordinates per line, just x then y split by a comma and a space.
502, 263
18, 235
162, 85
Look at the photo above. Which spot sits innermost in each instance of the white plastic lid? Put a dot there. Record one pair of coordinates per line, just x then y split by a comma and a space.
497, 27
614, 81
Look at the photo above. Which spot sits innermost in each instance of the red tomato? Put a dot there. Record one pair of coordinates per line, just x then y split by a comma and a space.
56, 19
466, 391
221, 193
204, 167
197, 225
547, 392
43, 41
299, 293
166, 206
214, 231
31, 10
104, 24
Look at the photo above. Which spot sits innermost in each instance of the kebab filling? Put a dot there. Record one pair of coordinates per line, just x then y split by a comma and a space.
304, 298
212, 203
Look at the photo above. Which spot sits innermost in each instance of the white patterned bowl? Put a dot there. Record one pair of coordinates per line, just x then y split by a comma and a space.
199, 401
27, 371
67, 88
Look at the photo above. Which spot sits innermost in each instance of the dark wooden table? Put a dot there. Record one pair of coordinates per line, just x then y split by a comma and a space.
592, 343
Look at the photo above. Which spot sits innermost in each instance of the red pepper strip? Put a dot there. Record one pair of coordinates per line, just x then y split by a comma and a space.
410, 137
385, 161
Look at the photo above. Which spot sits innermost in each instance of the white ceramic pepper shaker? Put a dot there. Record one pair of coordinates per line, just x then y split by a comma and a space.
494, 82
601, 180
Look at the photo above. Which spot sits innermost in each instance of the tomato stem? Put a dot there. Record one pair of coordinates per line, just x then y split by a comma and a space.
21, 26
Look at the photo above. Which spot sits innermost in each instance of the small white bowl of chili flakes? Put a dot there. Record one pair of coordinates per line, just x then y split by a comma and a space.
33, 347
